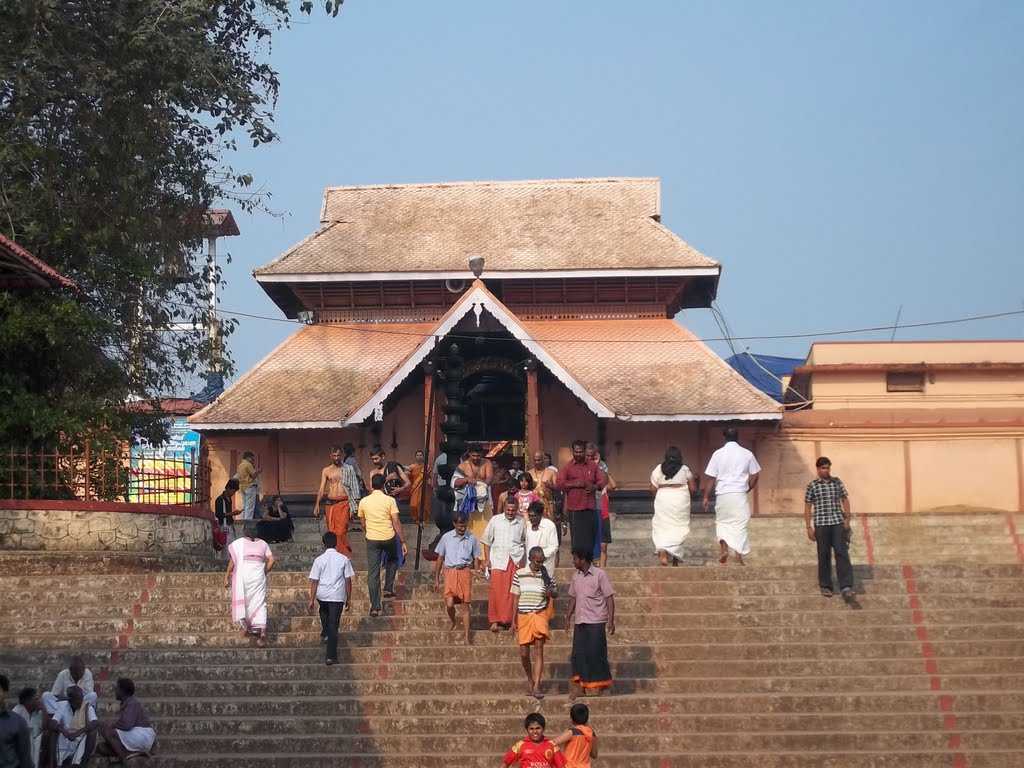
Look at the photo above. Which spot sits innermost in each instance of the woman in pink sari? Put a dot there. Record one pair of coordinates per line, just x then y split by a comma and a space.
246, 577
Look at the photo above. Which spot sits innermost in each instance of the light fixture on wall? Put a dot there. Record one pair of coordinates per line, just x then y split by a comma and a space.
476, 265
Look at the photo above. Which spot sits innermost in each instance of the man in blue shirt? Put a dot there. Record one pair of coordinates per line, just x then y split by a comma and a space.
458, 555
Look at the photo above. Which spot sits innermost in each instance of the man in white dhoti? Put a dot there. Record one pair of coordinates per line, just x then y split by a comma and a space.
246, 577
733, 474
131, 734
75, 722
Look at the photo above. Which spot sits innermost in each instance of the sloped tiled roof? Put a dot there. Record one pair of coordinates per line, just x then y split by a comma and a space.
651, 367
573, 224
30, 267
640, 369
314, 378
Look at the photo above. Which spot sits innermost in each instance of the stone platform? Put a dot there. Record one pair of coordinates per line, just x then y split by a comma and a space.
715, 666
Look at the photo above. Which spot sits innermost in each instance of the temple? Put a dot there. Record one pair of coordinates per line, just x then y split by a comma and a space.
564, 322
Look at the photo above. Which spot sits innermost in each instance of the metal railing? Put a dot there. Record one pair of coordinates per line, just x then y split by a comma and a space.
89, 473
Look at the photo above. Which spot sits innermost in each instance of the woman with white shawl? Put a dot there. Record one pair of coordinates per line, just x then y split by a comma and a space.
246, 577
672, 482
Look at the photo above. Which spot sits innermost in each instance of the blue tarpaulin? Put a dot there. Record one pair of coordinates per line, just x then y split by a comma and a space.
756, 375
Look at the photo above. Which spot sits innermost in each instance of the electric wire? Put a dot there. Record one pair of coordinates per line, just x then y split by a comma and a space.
381, 328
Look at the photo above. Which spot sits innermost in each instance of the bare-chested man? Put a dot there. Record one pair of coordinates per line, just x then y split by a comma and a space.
477, 471
334, 495
396, 479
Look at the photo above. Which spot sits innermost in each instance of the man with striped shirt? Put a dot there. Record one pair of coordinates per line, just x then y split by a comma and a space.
532, 589
827, 516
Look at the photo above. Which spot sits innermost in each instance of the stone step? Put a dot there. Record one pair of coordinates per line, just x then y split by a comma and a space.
714, 666
635, 724
423, 587
387, 682
724, 654
156, 635
821, 622
678, 759
618, 574
556, 667
664, 704
747, 596
295, 604
821, 743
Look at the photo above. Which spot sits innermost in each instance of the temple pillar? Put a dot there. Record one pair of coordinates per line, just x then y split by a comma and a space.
534, 435
431, 413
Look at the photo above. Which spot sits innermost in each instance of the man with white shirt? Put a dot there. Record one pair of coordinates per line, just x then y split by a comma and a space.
504, 542
31, 711
732, 472
74, 720
330, 584
541, 532
76, 674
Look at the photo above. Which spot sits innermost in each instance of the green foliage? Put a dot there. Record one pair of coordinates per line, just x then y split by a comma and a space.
117, 119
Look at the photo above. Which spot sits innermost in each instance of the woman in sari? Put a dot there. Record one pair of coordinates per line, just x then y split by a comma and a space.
246, 577
671, 483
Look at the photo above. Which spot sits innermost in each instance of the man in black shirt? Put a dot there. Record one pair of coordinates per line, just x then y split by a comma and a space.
224, 506
15, 744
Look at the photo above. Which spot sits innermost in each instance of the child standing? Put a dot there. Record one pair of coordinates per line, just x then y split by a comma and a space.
535, 751
526, 494
579, 742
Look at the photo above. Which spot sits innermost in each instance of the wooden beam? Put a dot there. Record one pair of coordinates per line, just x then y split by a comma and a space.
534, 435
908, 481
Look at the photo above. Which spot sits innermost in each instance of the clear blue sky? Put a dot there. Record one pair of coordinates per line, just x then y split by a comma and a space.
839, 159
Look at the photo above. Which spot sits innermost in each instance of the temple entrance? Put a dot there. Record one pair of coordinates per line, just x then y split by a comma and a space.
496, 399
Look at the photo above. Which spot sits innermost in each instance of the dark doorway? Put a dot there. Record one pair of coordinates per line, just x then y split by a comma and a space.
497, 406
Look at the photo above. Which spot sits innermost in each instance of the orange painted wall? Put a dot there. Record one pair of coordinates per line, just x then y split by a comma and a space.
563, 419
833, 390
221, 467
632, 449
942, 389
978, 472
945, 470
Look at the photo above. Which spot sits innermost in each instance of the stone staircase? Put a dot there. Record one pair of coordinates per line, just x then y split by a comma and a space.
715, 666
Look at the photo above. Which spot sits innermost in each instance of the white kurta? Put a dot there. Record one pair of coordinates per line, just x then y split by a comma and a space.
671, 522
545, 537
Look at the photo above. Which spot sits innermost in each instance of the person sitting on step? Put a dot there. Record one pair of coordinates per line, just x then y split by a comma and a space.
131, 735
74, 722
76, 674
